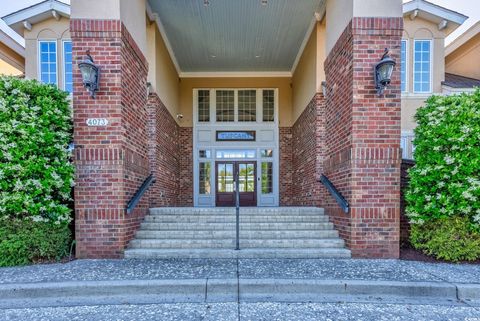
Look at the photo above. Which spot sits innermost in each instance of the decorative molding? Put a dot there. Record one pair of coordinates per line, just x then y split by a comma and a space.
310, 29
153, 16
27, 25
414, 14
234, 74
442, 25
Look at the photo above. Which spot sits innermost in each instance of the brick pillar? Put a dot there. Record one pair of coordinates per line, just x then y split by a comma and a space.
111, 161
362, 137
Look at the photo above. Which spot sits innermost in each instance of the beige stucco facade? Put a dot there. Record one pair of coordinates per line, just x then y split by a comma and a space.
341, 12
11, 63
421, 29
131, 12
50, 29
463, 54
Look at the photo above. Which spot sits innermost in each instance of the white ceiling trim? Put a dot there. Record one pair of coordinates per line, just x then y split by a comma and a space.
214, 74
317, 17
154, 17
310, 29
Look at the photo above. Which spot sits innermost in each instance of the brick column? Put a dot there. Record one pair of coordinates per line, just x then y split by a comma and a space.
362, 137
111, 161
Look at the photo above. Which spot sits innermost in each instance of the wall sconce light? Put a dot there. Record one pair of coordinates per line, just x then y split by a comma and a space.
383, 72
90, 74
179, 116
324, 88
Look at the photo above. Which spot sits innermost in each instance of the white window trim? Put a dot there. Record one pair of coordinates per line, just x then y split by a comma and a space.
213, 109
64, 64
431, 66
407, 74
39, 58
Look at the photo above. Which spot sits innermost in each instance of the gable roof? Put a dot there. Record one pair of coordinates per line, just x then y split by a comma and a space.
446, 19
47, 9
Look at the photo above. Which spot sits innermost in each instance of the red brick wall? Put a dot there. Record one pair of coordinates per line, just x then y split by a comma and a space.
285, 179
363, 136
307, 154
111, 161
163, 143
185, 194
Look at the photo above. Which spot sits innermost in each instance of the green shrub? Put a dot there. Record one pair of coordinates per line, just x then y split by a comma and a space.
36, 175
23, 242
449, 239
445, 181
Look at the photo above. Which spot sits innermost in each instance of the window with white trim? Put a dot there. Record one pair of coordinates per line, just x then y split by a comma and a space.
67, 67
404, 66
422, 69
48, 62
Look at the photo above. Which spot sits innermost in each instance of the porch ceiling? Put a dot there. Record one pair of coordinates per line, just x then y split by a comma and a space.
235, 35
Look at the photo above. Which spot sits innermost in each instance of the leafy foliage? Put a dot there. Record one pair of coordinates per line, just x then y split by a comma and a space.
448, 239
443, 197
445, 180
23, 242
36, 175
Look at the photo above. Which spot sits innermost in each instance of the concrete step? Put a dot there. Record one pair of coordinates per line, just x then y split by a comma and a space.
226, 243
231, 211
258, 253
244, 234
278, 226
229, 243
231, 219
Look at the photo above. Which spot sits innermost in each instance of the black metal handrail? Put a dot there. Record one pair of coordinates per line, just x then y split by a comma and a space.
335, 193
237, 210
139, 193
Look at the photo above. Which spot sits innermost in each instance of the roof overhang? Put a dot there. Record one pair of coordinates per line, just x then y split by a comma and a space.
463, 38
446, 19
25, 18
12, 44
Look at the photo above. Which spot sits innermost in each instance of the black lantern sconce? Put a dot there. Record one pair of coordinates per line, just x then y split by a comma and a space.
90, 74
383, 72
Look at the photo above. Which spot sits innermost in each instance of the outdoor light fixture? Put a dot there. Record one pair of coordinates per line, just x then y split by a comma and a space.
383, 72
324, 88
90, 74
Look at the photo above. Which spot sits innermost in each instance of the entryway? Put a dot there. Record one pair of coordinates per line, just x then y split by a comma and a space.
225, 175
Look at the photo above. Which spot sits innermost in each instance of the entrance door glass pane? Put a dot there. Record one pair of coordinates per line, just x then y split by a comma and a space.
267, 177
204, 178
246, 177
225, 177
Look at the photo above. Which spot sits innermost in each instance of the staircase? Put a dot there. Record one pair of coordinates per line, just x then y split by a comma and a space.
276, 232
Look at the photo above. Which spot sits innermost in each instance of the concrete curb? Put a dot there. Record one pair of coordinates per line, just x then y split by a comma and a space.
227, 290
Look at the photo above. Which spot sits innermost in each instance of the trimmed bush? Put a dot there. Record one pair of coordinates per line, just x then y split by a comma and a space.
449, 239
23, 242
444, 189
36, 175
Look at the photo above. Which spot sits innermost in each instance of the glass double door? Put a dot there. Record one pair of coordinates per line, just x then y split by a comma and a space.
226, 173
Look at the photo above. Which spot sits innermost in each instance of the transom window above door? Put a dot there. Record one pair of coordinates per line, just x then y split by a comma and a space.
235, 105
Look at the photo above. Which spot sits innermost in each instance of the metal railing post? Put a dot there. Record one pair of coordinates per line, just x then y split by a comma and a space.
237, 210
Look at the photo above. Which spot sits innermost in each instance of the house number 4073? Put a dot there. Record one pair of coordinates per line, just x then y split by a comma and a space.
97, 122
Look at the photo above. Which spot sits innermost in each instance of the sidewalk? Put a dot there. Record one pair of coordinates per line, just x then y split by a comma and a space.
86, 282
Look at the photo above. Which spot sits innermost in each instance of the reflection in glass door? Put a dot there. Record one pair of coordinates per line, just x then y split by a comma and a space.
225, 178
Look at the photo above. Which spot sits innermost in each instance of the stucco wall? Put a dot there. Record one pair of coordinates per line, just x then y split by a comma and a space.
131, 12
340, 12
11, 63
50, 29
465, 61
283, 84
421, 29
309, 74
161, 71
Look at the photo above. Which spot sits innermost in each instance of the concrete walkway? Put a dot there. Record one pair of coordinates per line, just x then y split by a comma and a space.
242, 281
